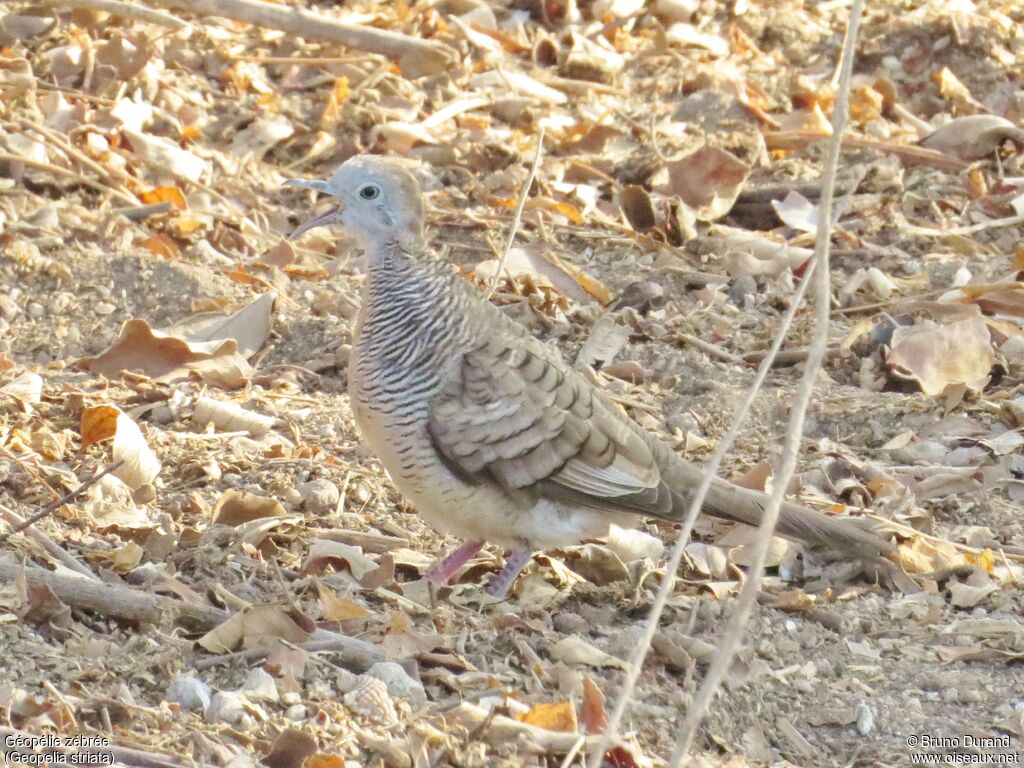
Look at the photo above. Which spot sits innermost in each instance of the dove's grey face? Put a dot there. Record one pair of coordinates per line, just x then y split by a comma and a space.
378, 202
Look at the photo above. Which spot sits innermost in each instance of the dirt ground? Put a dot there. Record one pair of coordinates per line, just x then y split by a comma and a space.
836, 669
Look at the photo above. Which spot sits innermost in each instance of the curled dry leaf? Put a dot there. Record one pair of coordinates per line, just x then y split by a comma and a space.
631, 545
255, 626
324, 552
576, 650
215, 349
140, 465
708, 180
237, 507
937, 357
974, 137
229, 417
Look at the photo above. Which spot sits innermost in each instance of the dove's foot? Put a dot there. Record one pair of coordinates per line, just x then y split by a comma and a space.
514, 563
443, 571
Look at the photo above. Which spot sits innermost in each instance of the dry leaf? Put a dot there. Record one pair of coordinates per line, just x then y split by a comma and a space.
324, 552
556, 716
236, 507
335, 608
215, 350
166, 156
140, 465
26, 390
708, 181
229, 417
637, 207
255, 626
291, 749
974, 137
593, 715
938, 357
576, 650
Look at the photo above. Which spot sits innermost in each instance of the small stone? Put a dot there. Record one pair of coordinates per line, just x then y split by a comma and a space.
104, 308
643, 296
35, 310
399, 683
189, 692
295, 712
292, 497
865, 719
319, 496
225, 707
9, 308
260, 685
741, 287
292, 697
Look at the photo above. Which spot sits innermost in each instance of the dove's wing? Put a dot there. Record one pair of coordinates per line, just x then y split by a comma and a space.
513, 412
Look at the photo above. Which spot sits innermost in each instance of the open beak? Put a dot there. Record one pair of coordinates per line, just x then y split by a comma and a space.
322, 219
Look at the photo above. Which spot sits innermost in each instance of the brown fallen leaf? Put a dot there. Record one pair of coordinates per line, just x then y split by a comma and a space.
291, 749
708, 180
937, 357
255, 626
237, 507
336, 608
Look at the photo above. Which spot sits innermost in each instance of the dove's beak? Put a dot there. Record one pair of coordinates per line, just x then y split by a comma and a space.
322, 219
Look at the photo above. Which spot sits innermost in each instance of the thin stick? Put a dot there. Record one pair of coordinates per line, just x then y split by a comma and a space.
791, 446
69, 496
127, 10
707, 479
518, 215
56, 170
52, 548
416, 56
910, 154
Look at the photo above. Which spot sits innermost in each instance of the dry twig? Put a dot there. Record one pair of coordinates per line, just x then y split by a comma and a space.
791, 445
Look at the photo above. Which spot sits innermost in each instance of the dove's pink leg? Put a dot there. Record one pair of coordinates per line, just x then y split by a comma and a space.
514, 563
454, 560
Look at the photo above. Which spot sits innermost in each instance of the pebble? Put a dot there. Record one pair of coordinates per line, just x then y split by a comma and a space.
189, 692
9, 308
260, 685
319, 496
865, 719
35, 310
400, 684
104, 308
225, 707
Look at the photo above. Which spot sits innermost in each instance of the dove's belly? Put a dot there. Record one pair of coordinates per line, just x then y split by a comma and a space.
479, 511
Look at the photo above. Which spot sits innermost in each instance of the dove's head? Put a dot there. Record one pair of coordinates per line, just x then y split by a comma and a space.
377, 201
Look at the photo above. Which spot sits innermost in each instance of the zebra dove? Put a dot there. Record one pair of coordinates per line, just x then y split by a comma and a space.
485, 429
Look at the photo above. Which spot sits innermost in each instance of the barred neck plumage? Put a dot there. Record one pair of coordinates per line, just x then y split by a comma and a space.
412, 310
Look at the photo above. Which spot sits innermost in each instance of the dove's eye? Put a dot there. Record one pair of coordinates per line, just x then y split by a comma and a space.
370, 192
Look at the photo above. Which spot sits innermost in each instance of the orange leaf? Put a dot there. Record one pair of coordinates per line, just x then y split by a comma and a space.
161, 245
321, 760
332, 110
190, 132
556, 716
171, 195
98, 424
